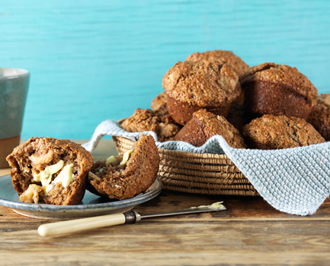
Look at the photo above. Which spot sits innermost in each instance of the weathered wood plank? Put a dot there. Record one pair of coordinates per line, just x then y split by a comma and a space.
113, 257
192, 243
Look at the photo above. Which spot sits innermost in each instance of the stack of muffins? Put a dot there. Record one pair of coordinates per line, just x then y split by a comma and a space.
268, 106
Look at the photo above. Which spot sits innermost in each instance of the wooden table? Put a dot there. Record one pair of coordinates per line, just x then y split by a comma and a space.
249, 232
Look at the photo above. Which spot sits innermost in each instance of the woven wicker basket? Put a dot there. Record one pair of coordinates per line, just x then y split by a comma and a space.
209, 174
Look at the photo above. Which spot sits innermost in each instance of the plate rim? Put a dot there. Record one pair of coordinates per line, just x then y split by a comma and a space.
141, 198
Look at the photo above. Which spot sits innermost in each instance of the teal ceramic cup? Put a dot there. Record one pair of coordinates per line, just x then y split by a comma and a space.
14, 84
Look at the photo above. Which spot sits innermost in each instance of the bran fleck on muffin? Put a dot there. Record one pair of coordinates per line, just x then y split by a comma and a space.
49, 170
320, 116
280, 132
147, 120
205, 125
278, 89
127, 175
159, 104
191, 86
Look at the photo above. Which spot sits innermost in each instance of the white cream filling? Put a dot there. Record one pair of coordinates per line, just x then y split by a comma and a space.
45, 176
65, 176
126, 157
112, 158
109, 160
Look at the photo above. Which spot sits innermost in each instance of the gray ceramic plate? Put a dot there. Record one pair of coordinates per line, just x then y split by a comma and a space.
91, 205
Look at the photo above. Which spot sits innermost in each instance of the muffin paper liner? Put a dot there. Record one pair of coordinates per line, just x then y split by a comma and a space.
295, 180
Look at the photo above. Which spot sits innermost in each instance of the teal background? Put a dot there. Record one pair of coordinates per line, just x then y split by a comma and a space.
97, 60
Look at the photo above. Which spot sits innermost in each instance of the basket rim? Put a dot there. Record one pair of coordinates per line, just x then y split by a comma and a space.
197, 180
188, 154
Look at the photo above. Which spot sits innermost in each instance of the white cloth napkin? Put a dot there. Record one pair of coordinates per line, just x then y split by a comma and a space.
295, 181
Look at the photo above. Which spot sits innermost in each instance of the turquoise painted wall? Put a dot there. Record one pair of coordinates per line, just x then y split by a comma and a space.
97, 60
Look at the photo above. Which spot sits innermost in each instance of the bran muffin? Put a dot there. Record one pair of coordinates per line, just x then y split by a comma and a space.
147, 120
205, 125
159, 104
191, 86
125, 176
278, 89
320, 116
49, 170
280, 132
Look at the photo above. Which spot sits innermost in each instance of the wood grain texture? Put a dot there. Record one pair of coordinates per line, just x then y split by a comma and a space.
226, 238
249, 232
97, 60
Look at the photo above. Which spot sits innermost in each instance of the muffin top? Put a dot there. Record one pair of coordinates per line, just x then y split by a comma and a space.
218, 125
202, 84
141, 120
159, 104
280, 132
147, 120
320, 116
286, 75
324, 100
227, 57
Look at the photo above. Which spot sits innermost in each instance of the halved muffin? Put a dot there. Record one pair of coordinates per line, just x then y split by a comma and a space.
49, 170
126, 175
